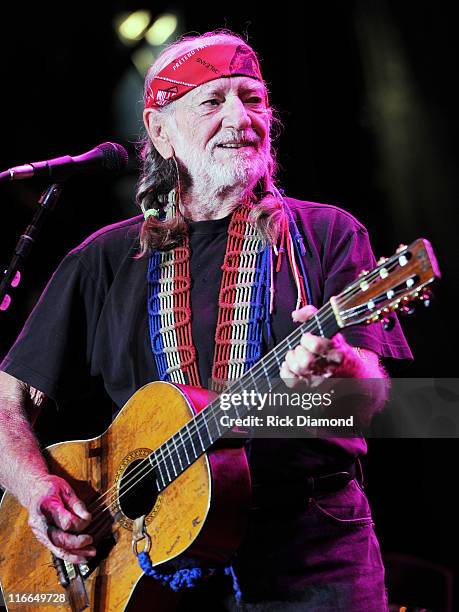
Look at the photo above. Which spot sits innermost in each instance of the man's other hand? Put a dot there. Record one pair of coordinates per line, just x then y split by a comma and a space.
316, 359
57, 517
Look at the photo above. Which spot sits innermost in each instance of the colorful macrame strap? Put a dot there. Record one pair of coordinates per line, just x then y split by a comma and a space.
244, 304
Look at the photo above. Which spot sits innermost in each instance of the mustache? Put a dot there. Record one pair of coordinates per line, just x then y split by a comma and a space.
237, 137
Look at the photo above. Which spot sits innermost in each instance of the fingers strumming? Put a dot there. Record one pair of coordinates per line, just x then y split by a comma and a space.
75, 504
80, 510
72, 556
57, 514
68, 540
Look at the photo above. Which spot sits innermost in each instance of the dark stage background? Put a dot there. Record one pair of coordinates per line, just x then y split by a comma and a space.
367, 93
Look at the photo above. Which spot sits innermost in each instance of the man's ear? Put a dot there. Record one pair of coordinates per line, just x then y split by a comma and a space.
156, 129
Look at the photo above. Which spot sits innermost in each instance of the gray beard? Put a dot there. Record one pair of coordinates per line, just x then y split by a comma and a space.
211, 179
241, 173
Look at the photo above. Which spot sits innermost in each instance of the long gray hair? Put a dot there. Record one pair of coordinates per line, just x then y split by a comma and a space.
158, 176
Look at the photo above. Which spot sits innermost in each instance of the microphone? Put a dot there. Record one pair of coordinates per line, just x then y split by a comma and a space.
106, 157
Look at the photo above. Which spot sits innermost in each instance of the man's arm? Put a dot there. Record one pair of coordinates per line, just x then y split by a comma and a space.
54, 509
17, 440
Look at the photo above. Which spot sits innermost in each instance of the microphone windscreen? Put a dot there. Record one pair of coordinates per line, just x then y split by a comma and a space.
115, 157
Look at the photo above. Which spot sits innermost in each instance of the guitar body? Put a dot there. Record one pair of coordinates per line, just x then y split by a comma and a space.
201, 515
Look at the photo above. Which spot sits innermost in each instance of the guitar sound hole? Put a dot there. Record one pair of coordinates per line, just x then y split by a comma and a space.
137, 491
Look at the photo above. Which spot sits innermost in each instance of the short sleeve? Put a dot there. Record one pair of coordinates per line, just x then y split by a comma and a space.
53, 351
348, 254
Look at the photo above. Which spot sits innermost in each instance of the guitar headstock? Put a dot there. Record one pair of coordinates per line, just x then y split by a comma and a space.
393, 285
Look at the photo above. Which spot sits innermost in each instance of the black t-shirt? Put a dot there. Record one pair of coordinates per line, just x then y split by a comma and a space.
90, 326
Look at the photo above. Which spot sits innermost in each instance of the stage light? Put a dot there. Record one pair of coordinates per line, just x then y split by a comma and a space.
162, 29
131, 26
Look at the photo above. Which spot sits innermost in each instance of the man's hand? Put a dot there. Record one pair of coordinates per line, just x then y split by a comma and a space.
56, 514
316, 359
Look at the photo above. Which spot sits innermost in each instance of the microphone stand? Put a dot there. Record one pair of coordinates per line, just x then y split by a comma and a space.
45, 205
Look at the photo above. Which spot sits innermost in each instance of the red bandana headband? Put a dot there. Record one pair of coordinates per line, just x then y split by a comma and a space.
198, 66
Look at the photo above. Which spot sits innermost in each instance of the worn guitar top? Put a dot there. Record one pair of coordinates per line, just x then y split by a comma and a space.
89, 329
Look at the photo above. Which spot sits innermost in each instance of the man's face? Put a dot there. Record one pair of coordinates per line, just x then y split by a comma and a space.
220, 133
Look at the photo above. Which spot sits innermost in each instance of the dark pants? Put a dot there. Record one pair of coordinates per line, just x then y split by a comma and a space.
320, 557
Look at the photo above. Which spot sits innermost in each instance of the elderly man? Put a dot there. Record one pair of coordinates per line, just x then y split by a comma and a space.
218, 257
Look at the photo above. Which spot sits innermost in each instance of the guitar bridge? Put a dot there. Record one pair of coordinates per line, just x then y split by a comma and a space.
71, 577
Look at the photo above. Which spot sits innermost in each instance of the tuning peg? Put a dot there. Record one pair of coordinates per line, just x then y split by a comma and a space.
363, 273
382, 260
408, 309
401, 248
388, 323
426, 297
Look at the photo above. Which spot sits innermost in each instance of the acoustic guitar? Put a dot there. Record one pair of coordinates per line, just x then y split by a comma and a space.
159, 477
